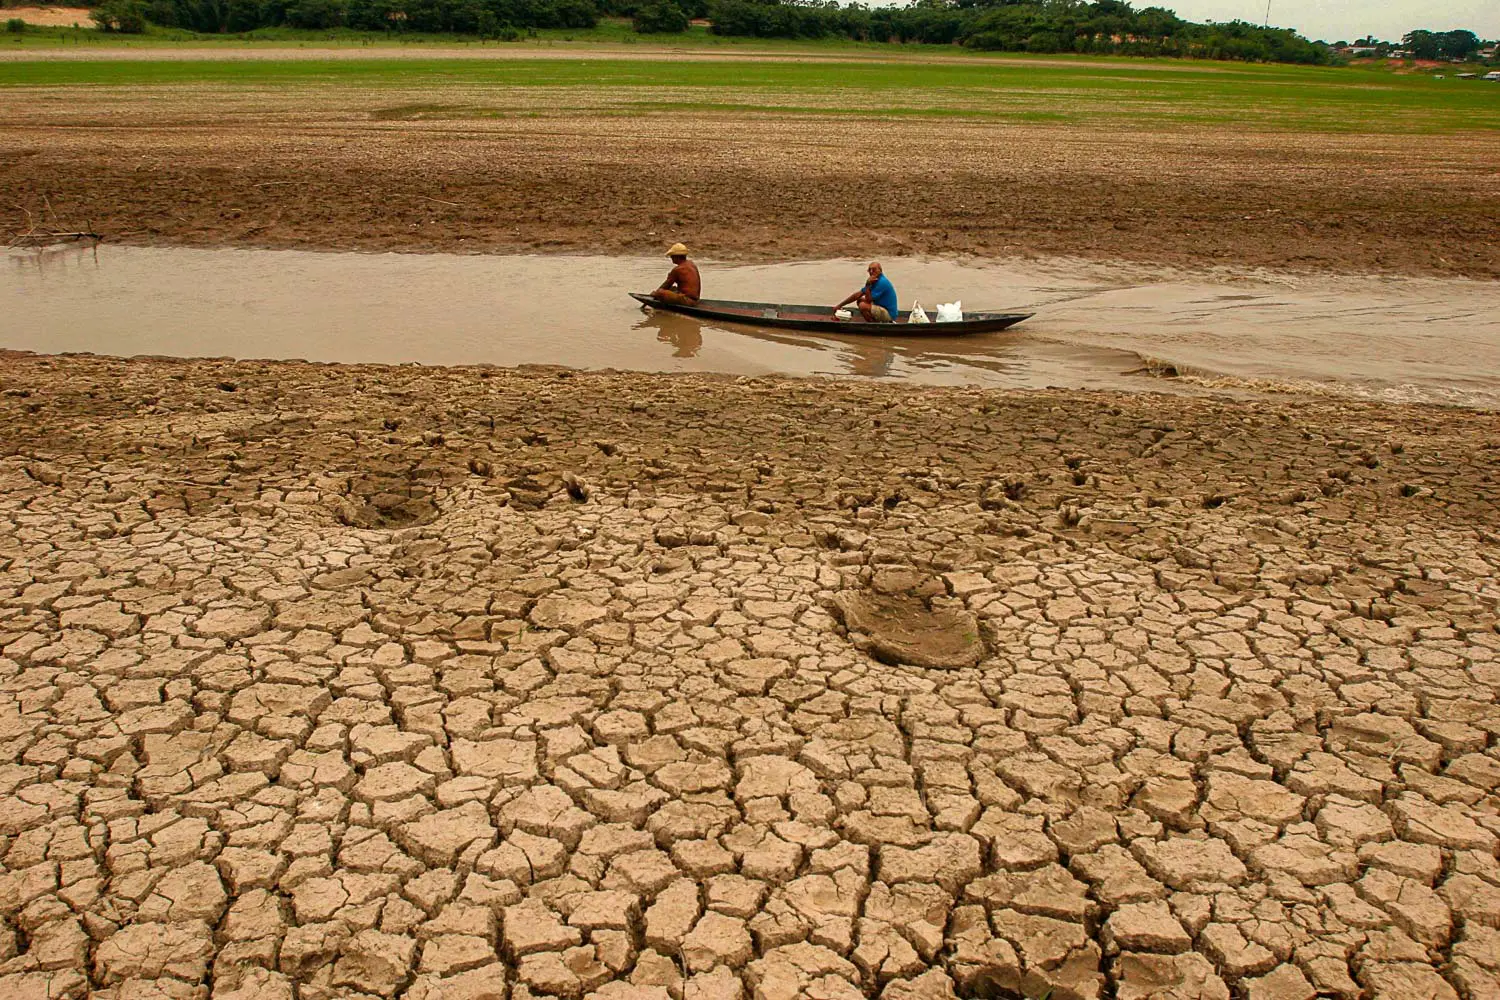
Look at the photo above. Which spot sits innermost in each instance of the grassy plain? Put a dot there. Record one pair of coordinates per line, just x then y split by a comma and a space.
1146, 94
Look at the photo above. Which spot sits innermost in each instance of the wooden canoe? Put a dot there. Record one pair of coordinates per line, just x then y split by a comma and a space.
820, 319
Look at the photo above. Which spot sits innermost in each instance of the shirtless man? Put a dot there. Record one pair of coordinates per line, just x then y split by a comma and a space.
683, 284
876, 299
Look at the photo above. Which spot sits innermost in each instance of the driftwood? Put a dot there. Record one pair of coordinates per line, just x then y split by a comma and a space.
36, 235
36, 238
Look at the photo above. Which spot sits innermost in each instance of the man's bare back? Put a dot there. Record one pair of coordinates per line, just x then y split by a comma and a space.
685, 278
684, 284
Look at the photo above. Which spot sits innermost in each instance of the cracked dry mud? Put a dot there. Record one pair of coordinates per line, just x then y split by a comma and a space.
346, 681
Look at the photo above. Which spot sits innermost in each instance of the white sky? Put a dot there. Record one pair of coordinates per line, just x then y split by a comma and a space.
1346, 20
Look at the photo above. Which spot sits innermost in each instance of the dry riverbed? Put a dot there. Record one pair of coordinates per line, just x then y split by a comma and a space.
470, 683
525, 170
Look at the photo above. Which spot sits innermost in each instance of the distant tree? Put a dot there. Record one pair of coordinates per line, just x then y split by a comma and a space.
316, 13
125, 17
1158, 22
662, 17
1422, 44
1441, 44
1458, 44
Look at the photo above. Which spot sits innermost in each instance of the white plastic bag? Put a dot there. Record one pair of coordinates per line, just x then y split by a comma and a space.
842, 314
950, 312
918, 314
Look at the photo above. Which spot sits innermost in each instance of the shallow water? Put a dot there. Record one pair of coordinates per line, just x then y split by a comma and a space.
1388, 338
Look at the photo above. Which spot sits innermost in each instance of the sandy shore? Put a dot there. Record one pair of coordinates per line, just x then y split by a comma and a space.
475, 683
61, 17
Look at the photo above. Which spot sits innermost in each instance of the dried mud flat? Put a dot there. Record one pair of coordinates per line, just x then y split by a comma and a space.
533, 170
325, 681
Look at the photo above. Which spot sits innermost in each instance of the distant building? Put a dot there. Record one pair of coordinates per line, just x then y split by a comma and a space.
1493, 75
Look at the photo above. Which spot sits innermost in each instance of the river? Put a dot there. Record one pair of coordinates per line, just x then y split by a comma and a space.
1095, 325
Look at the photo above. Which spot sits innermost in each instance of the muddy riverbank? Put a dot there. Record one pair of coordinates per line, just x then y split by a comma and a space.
469, 170
467, 682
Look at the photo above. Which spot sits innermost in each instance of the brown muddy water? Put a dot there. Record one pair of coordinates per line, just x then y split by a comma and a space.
1096, 326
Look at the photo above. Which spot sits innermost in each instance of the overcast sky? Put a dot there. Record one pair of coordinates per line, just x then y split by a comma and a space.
1346, 20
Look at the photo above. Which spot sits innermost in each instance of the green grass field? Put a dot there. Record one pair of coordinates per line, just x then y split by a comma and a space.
867, 79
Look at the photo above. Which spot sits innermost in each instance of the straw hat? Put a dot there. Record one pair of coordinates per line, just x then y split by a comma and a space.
677, 250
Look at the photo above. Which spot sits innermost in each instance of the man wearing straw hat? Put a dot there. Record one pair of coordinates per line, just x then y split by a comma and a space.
683, 284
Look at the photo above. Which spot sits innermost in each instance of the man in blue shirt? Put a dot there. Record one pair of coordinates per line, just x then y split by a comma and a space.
877, 299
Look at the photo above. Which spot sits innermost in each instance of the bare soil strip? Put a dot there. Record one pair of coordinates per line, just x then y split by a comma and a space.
339, 169
60, 17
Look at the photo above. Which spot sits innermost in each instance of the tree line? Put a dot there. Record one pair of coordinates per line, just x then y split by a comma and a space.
486, 18
1103, 26
1085, 26
1441, 44
1457, 46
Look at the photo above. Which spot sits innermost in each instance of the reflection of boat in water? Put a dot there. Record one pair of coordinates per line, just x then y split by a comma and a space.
873, 357
820, 319
682, 332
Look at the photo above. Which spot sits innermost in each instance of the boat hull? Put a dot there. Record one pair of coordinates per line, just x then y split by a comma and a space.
820, 319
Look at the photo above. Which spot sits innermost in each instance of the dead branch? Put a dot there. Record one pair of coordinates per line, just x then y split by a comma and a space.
32, 239
33, 235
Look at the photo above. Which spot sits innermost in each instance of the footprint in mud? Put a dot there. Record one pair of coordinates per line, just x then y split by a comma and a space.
386, 503
901, 626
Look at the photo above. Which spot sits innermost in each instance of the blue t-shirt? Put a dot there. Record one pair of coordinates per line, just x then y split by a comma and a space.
883, 294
